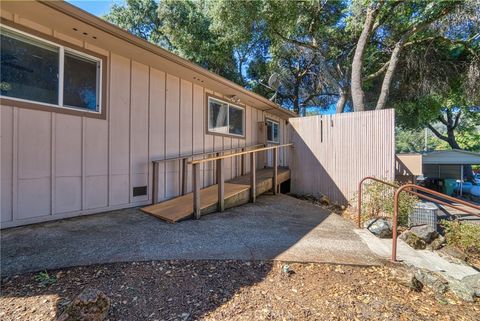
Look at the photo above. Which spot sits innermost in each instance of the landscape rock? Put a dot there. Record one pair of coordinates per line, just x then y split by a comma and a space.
380, 227
462, 290
424, 232
406, 277
437, 243
433, 280
453, 254
413, 240
473, 281
89, 305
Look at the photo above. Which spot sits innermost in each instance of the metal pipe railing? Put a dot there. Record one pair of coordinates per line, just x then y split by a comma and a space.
429, 191
405, 188
359, 212
221, 176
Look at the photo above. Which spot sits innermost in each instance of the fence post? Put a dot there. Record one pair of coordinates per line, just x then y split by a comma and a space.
275, 171
196, 191
253, 177
221, 185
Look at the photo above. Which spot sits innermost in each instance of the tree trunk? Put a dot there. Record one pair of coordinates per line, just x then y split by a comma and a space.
358, 95
342, 100
387, 79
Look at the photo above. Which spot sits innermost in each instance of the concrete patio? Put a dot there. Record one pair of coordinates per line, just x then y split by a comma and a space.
275, 227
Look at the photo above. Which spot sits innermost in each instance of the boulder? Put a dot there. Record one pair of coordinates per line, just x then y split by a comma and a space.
462, 290
453, 254
380, 227
437, 243
473, 281
89, 305
424, 232
413, 240
433, 280
406, 277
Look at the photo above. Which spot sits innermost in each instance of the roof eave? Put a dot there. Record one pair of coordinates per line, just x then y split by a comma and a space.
124, 35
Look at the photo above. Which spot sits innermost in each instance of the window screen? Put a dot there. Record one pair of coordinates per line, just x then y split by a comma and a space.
273, 131
218, 116
80, 82
235, 120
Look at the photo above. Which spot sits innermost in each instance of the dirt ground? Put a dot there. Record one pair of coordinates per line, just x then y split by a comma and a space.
230, 290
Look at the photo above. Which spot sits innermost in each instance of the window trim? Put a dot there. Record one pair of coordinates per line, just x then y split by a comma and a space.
209, 97
63, 47
273, 122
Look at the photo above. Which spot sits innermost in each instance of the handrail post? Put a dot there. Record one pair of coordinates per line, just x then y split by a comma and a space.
275, 171
242, 160
155, 183
196, 191
221, 185
253, 177
184, 175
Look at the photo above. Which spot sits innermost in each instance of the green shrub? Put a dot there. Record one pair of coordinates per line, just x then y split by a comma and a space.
463, 235
43, 278
377, 201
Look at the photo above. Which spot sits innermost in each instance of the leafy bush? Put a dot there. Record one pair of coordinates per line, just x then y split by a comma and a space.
377, 201
465, 236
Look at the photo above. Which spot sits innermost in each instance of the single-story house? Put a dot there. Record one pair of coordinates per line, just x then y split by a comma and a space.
86, 107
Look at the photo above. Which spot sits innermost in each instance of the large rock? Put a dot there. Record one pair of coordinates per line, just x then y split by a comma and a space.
437, 243
433, 280
413, 240
90, 305
380, 227
424, 232
406, 277
462, 290
473, 281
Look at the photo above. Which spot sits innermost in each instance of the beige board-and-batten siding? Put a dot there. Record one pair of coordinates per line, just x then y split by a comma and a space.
334, 152
55, 165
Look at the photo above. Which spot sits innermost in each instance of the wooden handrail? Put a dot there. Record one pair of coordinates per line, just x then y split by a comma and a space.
221, 176
193, 162
203, 154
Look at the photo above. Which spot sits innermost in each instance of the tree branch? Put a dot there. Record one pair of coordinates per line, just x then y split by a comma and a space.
440, 136
457, 119
377, 73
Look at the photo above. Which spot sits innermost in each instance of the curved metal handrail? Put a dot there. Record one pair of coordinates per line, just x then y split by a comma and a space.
404, 188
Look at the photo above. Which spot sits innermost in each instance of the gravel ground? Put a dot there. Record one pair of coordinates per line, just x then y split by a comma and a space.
230, 290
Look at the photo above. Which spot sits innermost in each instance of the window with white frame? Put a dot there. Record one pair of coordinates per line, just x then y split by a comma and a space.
273, 131
225, 118
39, 71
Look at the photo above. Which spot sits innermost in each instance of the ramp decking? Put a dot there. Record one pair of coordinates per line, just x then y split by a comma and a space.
237, 192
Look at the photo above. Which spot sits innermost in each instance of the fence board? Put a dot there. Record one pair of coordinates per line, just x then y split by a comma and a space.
334, 152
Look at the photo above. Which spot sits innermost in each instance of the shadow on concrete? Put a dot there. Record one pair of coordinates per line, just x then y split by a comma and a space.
274, 228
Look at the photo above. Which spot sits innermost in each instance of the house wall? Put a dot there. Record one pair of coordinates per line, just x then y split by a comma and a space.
334, 152
55, 165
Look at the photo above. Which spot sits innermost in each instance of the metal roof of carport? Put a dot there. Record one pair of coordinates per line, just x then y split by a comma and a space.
451, 157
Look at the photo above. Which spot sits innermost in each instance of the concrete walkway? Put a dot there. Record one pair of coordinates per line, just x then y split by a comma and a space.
423, 259
275, 227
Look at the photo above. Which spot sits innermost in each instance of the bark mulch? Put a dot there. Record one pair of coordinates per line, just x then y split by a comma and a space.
230, 290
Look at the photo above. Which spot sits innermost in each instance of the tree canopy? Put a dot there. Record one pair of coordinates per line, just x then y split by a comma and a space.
420, 57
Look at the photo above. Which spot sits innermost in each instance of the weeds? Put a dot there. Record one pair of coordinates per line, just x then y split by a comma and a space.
44, 279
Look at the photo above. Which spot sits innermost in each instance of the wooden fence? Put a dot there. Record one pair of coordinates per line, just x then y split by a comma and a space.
334, 152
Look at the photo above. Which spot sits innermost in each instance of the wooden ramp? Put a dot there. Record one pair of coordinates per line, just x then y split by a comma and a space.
237, 192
